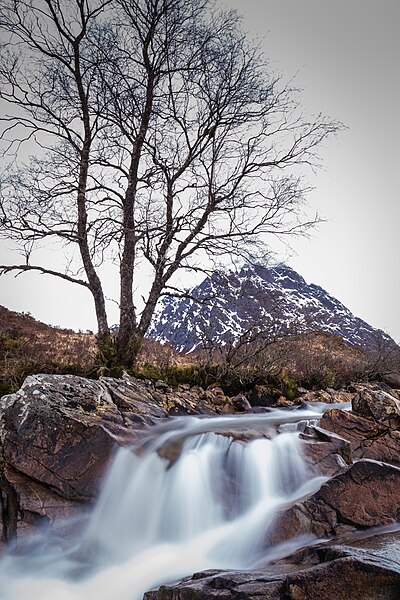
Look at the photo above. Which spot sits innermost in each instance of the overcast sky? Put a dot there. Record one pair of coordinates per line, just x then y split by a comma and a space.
344, 54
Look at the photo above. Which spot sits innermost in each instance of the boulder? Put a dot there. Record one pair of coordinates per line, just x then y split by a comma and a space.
324, 452
392, 379
238, 585
367, 438
366, 495
328, 396
379, 406
60, 431
240, 403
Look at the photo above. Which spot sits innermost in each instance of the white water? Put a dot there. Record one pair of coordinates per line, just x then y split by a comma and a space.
158, 520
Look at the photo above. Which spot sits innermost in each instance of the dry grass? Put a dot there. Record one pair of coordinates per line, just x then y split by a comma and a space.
313, 360
28, 346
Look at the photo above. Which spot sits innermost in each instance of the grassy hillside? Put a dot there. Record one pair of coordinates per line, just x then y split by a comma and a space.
311, 360
28, 346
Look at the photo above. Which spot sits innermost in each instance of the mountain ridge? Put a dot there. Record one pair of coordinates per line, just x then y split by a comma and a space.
226, 305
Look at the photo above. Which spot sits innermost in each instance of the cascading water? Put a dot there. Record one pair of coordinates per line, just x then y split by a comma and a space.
193, 499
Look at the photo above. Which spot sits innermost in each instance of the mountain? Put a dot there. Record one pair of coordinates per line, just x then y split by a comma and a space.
277, 300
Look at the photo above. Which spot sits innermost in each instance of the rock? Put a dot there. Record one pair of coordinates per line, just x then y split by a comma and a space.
240, 403
348, 577
218, 584
135, 400
368, 438
375, 386
392, 379
325, 453
283, 402
171, 449
161, 386
30, 505
262, 395
328, 396
379, 406
216, 391
317, 573
60, 431
366, 495
184, 387
57, 436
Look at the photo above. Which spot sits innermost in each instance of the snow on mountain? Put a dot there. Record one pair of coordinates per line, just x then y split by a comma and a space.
275, 300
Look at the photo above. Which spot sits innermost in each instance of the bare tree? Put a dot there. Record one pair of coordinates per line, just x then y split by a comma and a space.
160, 136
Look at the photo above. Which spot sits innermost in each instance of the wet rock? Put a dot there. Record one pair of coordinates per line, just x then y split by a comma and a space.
366, 495
171, 449
29, 505
325, 453
348, 577
319, 573
218, 584
367, 438
283, 402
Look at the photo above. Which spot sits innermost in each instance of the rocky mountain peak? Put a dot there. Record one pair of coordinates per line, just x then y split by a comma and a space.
277, 300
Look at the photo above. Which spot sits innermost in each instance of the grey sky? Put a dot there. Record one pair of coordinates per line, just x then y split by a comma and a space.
345, 54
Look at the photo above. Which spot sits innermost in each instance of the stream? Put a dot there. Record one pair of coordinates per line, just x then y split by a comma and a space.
198, 493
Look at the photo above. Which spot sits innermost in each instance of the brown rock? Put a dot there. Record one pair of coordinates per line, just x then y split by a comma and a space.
392, 379
368, 439
215, 584
32, 504
240, 403
216, 391
366, 495
60, 431
379, 406
283, 402
347, 578
325, 453
328, 396
57, 435
323, 573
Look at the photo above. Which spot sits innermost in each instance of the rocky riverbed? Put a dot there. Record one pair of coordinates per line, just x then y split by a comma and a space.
58, 435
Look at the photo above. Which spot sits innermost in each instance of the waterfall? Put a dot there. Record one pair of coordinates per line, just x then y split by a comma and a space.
199, 494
